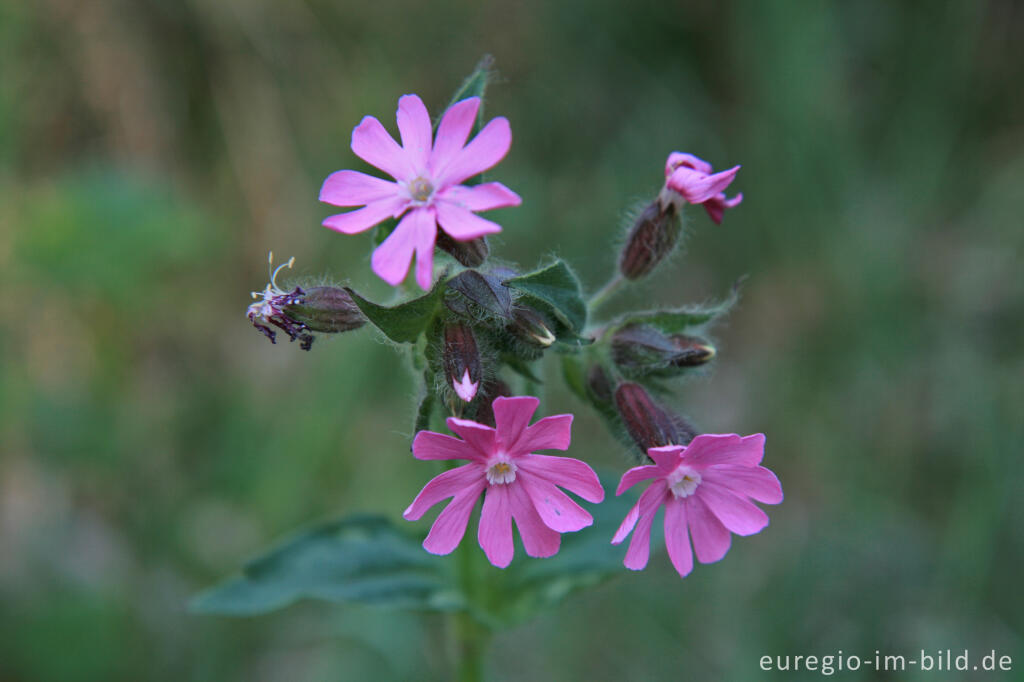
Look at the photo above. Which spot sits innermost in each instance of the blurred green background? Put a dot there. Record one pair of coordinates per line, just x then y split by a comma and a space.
152, 152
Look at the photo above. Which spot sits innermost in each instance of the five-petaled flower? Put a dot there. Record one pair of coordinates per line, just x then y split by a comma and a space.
428, 173
704, 488
692, 179
516, 483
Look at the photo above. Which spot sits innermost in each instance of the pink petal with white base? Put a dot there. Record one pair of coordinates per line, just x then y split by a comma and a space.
443, 486
495, 530
364, 218
429, 445
483, 152
480, 437
426, 235
572, 474
677, 538
463, 225
711, 540
639, 550
636, 475
391, 259
453, 132
352, 188
755, 482
465, 389
549, 433
416, 130
556, 509
736, 513
483, 197
512, 416
666, 457
708, 449
374, 145
538, 539
450, 526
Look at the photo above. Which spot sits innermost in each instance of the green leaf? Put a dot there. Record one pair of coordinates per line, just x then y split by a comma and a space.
475, 85
682, 319
363, 559
557, 287
404, 322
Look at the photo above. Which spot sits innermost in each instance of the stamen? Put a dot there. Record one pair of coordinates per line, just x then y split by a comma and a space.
420, 189
684, 481
501, 472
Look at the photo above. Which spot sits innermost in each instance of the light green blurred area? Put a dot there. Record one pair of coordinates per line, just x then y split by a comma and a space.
152, 153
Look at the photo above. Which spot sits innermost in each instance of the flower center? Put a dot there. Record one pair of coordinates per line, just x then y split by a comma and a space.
501, 471
683, 481
421, 189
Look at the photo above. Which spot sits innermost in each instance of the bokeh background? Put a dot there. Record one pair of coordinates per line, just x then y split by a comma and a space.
152, 153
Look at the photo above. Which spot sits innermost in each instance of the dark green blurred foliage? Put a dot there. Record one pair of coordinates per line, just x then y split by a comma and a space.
152, 153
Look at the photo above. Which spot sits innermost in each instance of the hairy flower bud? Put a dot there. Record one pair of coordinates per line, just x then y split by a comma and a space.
640, 349
653, 237
648, 423
530, 326
470, 254
326, 309
598, 384
461, 359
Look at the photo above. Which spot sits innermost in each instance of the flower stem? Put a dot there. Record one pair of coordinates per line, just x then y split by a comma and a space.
606, 292
470, 635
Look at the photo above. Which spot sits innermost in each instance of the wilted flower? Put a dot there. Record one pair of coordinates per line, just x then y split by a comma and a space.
692, 179
706, 489
269, 309
516, 483
428, 171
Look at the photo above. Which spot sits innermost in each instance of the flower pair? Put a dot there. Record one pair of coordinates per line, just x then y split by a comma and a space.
704, 488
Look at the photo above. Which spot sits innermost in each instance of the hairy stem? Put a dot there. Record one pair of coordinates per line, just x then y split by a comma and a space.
470, 635
606, 292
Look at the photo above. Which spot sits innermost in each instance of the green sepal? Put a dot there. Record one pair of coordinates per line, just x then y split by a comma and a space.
683, 319
558, 289
485, 291
404, 322
360, 559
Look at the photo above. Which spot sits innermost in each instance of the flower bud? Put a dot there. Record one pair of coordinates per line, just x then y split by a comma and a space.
653, 237
649, 424
325, 309
598, 384
530, 326
470, 254
640, 349
461, 359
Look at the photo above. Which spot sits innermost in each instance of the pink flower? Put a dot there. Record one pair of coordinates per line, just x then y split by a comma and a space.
519, 485
704, 488
692, 179
427, 190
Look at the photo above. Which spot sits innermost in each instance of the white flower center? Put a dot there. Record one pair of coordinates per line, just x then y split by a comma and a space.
501, 471
683, 481
421, 189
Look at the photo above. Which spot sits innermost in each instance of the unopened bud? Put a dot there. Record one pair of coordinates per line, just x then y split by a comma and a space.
530, 326
471, 253
598, 384
326, 309
653, 237
461, 359
648, 423
640, 349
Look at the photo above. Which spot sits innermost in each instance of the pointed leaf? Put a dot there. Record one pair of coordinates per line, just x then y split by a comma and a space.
402, 323
682, 319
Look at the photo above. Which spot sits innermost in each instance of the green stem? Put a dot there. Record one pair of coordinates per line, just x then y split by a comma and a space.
605, 292
471, 636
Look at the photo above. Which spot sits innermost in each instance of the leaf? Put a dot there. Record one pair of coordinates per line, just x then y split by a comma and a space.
485, 291
363, 559
557, 287
426, 406
684, 318
475, 85
402, 323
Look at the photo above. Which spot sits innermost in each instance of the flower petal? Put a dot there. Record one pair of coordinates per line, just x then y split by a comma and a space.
453, 132
666, 456
635, 475
756, 482
430, 445
640, 546
495, 530
443, 486
736, 513
450, 525
463, 225
677, 159
549, 433
571, 474
374, 145
391, 259
426, 235
708, 449
538, 539
511, 417
480, 437
716, 205
364, 218
556, 509
711, 540
677, 538
352, 188
482, 197
627, 525
697, 187
486, 149
416, 130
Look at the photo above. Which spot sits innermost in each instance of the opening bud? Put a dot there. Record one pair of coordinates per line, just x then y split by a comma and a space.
530, 326
470, 254
461, 359
648, 423
640, 350
652, 237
